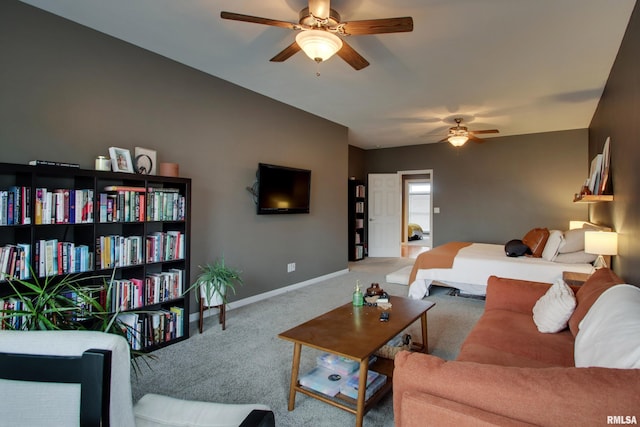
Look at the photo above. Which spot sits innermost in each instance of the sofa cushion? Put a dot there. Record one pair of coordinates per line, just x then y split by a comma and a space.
508, 338
553, 310
609, 334
589, 292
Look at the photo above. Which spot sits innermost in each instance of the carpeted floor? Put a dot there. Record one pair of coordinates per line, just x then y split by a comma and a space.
248, 363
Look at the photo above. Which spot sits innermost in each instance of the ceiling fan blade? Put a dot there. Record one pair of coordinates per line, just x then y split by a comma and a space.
287, 53
257, 20
352, 57
378, 26
320, 8
485, 131
475, 139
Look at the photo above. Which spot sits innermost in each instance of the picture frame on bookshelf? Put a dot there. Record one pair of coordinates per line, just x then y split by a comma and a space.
145, 160
120, 160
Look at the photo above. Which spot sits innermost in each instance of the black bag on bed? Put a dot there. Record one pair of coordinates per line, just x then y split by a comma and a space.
515, 248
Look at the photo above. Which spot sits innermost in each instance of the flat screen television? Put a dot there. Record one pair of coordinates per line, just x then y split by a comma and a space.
283, 190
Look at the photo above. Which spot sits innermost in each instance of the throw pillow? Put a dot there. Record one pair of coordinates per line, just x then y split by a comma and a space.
579, 257
553, 244
601, 280
609, 334
536, 239
553, 310
573, 240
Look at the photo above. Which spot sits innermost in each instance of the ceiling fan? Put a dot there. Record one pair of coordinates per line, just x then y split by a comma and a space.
320, 26
459, 134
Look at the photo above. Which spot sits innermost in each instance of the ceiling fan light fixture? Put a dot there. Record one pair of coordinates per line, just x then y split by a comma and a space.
319, 45
458, 140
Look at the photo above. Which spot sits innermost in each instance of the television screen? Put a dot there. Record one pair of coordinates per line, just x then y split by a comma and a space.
283, 190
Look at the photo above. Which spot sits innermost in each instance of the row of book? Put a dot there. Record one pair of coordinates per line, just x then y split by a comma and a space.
165, 204
150, 329
15, 206
63, 206
71, 206
15, 261
360, 191
131, 294
121, 206
335, 375
165, 246
54, 257
122, 251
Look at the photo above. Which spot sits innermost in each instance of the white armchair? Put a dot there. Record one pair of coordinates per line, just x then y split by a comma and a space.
34, 403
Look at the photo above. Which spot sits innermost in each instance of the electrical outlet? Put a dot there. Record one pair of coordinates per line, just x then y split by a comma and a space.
291, 267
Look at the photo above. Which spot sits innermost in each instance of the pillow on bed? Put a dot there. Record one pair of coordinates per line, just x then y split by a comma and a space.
536, 239
573, 241
577, 257
554, 242
516, 248
552, 311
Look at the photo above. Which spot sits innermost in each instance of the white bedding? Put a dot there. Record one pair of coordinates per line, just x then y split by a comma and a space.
474, 264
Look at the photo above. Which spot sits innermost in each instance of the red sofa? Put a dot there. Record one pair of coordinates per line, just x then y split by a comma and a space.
507, 373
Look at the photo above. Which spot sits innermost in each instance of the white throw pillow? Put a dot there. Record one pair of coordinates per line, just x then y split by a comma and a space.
553, 310
609, 334
579, 257
554, 242
573, 240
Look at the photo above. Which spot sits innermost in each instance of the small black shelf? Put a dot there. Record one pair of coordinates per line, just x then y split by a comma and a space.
357, 206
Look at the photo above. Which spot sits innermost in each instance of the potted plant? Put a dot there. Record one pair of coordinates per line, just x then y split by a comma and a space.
70, 302
213, 285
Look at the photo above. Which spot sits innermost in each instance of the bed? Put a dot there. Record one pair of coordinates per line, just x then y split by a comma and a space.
467, 266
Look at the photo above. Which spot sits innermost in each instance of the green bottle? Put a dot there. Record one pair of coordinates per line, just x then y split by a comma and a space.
357, 295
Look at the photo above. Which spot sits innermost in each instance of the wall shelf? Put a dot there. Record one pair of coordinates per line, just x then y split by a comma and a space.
591, 198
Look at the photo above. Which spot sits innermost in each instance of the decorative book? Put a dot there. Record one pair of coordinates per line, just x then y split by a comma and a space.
374, 382
323, 380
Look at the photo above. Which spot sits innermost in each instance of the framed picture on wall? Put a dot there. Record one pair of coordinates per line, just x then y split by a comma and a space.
120, 160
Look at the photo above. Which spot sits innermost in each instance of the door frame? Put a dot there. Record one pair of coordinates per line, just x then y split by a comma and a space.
405, 214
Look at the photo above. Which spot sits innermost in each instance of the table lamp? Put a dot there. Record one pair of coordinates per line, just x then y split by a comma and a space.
601, 243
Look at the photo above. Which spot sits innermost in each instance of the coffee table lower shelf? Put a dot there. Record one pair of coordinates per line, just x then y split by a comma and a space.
346, 403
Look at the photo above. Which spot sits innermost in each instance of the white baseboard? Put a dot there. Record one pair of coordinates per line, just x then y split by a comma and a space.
194, 317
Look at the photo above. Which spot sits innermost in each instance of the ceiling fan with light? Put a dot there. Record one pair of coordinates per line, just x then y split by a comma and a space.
459, 134
321, 32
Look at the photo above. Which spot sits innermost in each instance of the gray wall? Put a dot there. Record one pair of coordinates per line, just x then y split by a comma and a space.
617, 117
497, 191
68, 93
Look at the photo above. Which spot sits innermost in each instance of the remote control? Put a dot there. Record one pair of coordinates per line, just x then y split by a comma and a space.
384, 316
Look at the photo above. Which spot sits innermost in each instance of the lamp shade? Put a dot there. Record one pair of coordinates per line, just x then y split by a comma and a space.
601, 242
319, 45
458, 140
576, 224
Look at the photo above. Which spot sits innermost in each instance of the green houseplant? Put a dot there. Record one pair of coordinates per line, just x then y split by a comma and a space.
70, 302
212, 288
214, 282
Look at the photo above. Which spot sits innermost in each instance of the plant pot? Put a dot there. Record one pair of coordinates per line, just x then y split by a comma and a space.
215, 299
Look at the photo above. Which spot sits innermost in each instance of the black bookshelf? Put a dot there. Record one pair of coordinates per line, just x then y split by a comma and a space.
134, 227
357, 220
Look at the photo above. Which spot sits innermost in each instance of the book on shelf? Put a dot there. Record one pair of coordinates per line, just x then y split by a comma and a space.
51, 163
323, 380
350, 387
125, 188
338, 364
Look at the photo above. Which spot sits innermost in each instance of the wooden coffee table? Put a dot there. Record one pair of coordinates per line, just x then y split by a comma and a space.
355, 333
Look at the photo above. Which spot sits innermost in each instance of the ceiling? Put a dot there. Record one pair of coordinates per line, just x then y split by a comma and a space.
522, 66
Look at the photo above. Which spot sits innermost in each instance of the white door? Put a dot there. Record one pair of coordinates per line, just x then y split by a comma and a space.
385, 216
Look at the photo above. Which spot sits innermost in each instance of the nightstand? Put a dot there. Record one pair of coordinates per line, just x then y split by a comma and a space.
573, 278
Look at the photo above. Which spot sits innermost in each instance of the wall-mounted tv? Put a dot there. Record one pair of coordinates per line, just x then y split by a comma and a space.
283, 190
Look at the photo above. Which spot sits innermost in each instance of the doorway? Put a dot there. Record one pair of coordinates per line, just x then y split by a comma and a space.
417, 209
